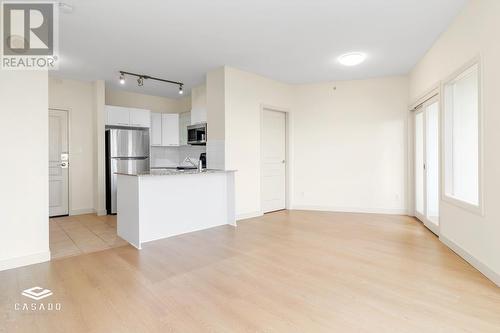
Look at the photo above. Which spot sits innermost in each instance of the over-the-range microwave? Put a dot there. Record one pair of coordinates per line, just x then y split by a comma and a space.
197, 134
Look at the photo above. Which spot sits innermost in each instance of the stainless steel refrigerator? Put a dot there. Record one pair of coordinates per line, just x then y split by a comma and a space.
127, 151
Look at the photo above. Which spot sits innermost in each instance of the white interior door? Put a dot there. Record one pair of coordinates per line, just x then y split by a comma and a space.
273, 161
427, 165
58, 163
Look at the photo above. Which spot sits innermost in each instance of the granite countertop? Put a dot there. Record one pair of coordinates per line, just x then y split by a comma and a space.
173, 172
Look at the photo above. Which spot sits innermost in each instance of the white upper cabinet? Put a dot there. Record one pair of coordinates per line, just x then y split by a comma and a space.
122, 116
170, 129
140, 118
198, 105
184, 122
155, 136
117, 115
164, 129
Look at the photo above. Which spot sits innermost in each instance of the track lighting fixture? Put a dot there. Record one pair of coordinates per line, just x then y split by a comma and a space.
141, 77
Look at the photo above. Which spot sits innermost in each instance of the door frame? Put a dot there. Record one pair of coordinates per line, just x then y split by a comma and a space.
288, 153
68, 112
428, 99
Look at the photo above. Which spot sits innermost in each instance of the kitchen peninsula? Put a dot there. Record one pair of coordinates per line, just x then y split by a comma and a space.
163, 203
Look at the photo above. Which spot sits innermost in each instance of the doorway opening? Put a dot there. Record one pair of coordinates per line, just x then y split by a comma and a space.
427, 163
274, 151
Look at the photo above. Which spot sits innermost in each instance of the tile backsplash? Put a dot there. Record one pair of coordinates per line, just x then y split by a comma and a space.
173, 156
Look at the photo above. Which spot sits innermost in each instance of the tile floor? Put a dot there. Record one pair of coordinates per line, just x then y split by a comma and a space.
74, 235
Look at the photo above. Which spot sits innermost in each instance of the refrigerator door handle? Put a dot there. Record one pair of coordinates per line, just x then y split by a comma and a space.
130, 158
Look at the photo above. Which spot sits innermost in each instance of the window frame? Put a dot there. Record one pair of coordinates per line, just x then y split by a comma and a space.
479, 208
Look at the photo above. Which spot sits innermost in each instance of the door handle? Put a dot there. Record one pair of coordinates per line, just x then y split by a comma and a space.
64, 165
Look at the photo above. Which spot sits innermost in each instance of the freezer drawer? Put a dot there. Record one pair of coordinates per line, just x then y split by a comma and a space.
123, 165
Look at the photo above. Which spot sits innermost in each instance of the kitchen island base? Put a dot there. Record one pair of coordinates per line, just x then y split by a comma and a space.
155, 206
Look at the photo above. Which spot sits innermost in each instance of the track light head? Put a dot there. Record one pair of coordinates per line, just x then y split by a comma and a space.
142, 77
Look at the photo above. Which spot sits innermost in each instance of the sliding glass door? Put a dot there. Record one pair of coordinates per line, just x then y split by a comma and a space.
427, 164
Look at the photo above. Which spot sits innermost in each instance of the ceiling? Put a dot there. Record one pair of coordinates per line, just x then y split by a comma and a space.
295, 41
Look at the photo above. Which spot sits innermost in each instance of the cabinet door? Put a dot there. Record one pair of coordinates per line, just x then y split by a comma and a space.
184, 122
140, 118
117, 115
155, 129
170, 129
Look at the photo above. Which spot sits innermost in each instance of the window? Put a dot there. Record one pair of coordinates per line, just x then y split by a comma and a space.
462, 138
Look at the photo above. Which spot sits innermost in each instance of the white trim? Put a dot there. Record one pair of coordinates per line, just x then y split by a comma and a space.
473, 261
250, 215
82, 211
30, 259
388, 211
479, 208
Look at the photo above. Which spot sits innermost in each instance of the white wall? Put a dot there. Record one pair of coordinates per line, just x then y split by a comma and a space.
24, 237
474, 32
152, 103
350, 145
216, 100
77, 97
347, 146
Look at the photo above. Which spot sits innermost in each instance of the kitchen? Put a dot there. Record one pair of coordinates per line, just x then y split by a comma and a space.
166, 151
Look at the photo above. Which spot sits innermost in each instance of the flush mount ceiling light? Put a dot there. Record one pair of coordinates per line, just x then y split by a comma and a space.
142, 77
352, 58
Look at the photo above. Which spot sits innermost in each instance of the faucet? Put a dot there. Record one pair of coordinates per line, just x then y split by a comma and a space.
189, 160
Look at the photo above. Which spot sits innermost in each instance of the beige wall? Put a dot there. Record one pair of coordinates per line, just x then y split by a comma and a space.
216, 103
246, 93
350, 145
153, 103
474, 32
77, 97
24, 235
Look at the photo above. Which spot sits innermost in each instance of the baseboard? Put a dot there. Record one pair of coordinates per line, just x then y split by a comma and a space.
350, 209
477, 264
24, 260
248, 215
102, 212
82, 211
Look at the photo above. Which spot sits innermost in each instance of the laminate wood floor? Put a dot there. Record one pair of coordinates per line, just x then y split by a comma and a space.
290, 271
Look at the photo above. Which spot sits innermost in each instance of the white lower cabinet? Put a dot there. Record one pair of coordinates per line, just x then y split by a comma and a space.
164, 129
